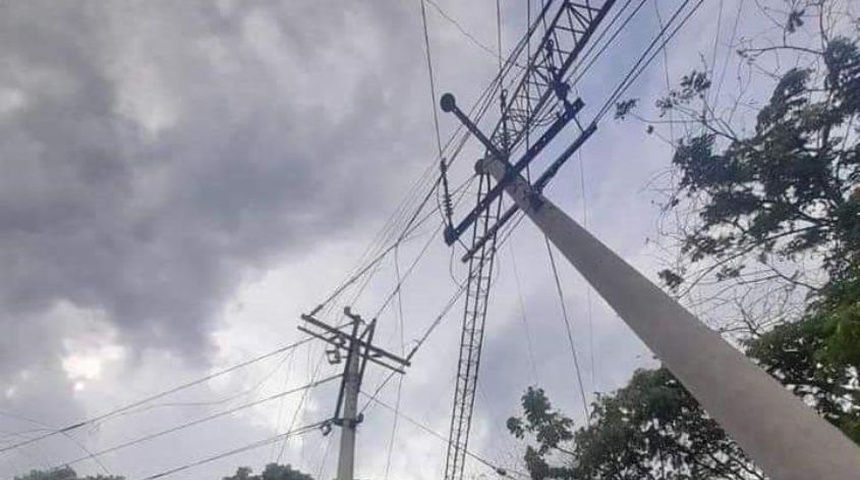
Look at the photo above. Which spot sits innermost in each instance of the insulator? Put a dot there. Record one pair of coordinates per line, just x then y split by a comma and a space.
446, 201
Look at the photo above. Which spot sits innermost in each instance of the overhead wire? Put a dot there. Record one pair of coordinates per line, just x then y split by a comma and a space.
470, 453
251, 446
48, 428
451, 302
529, 347
151, 398
324, 457
716, 43
287, 376
462, 30
199, 421
432, 80
301, 404
729, 50
256, 386
399, 281
569, 329
648, 56
581, 71
588, 290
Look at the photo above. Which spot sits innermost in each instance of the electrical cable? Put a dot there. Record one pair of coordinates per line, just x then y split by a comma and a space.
593, 45
499, 33
397, 413
432, 81
523, 311
729, 50
287, 376
716, 44
251, 446
568, 328
399, 281
588, 292
462, 30
325, 456
198, 421
137, 403
301, 404
48, 428
633, 74
451, 302
259, 384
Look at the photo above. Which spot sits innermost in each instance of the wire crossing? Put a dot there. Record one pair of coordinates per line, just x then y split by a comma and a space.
130, 406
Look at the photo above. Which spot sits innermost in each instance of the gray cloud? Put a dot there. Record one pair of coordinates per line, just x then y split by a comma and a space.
151, 159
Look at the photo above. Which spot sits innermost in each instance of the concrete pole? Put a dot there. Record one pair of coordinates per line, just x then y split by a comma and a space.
346, 457
783, 436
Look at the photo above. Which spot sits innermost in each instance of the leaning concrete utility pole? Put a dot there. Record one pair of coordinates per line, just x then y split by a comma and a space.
359, 349
787, 439
783, 436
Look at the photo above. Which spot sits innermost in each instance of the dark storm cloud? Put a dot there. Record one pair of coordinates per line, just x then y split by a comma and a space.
153, 152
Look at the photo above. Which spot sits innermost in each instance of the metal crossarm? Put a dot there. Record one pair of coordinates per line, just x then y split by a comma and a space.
539, 109
539, 103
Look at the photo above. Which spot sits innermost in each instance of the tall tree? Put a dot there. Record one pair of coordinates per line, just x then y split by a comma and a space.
651, 428
771, 212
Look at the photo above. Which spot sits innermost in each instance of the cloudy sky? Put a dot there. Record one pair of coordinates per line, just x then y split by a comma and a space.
182, 179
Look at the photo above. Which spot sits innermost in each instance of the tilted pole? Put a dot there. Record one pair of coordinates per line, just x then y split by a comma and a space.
783, 436
359, 350
352, 380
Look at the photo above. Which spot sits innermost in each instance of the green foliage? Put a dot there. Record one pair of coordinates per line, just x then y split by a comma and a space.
273, 471
788, 188
651, 428
550, 428
813, 358
65, 473
623, 108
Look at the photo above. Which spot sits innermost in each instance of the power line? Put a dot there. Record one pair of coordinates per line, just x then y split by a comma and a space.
398, 413
729, 50
499, 32
523, 309
46, 427
287, 376
395, 292
251, 446
199, 421
301, 404
716, 44
432, 81
451, 302
132, 405
588, 296
568, 328
477, 111
639, 66
462, 30
399, 281
259, 384
581, 72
